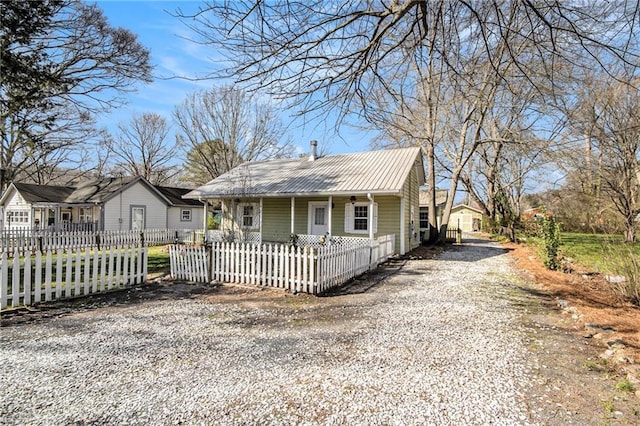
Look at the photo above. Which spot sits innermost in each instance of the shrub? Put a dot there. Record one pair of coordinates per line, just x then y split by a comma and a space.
550, 235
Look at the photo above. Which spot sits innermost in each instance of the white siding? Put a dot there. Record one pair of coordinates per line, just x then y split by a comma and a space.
175, 213
117, 211
17, 204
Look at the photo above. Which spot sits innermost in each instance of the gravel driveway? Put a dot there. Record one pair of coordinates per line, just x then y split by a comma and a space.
438, 342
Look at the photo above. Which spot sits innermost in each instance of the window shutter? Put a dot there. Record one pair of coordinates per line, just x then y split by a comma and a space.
239, 214
348, 217
375, 217
256, 215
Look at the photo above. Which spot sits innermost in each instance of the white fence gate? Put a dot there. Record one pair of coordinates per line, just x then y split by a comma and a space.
302, 269
58, 274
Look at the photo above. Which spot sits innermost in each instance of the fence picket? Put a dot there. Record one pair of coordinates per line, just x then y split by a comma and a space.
48, 276
68, 269
37, 283
15, 280
72, 279
27, 281
59, 273
4, 285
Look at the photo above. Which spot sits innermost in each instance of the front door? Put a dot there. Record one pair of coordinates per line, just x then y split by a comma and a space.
318, 218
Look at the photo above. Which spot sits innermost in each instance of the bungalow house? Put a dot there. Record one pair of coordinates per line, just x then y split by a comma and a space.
370, 194
117, 203
466, 218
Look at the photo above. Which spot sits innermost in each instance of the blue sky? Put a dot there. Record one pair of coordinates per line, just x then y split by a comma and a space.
174, 56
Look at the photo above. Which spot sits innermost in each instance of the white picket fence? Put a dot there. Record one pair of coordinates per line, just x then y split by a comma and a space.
302, 269
55, 275
26, 241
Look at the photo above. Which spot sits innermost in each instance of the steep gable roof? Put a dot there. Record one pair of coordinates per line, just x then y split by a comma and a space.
348, 174
100, 190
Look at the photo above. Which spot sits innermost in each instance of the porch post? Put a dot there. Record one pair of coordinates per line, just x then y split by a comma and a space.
204, 219
223, 222
330, 216
402, 208
261, 219
371, 205
293, 215
56, 221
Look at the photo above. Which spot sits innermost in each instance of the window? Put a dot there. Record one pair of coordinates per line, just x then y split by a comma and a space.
185, 215
249, 215
86, 215
357, 217
320, 214
361, 218
424, 220
18, 216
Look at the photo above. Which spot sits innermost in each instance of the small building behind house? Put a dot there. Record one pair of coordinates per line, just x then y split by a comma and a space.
466, 218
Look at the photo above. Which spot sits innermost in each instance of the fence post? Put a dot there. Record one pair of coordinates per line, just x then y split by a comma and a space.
459, 236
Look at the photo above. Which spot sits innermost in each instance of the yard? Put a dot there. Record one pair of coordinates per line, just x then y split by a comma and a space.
461, 339
597, 252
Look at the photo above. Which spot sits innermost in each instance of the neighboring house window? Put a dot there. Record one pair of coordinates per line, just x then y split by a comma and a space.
185, 215
137, 218
248, 215
356, 219
424, 220
18, 216
86, 215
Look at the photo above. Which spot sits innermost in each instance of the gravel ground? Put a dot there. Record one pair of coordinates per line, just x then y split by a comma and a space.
439, 342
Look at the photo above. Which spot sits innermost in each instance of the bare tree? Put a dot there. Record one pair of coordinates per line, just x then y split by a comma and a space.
323, 55
61, 63
141, 148
619, 142
224, 127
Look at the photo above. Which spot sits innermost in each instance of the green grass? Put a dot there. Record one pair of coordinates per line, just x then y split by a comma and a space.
158, 262
593, 251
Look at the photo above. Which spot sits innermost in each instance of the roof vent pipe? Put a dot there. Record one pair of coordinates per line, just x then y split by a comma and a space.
314, 151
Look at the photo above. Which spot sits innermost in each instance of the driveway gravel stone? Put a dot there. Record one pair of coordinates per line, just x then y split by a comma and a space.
437, 342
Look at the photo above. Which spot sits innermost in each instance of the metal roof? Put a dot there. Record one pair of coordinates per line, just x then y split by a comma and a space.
380, 172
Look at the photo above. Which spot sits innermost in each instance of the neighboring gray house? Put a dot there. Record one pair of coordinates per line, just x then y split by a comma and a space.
117, 203
369, 194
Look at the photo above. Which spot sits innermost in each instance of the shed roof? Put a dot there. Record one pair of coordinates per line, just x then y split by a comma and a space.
359, 173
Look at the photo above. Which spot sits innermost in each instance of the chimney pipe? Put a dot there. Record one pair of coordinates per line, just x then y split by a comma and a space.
314, 151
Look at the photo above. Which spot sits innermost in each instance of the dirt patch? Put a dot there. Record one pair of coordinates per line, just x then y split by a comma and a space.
588, 345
